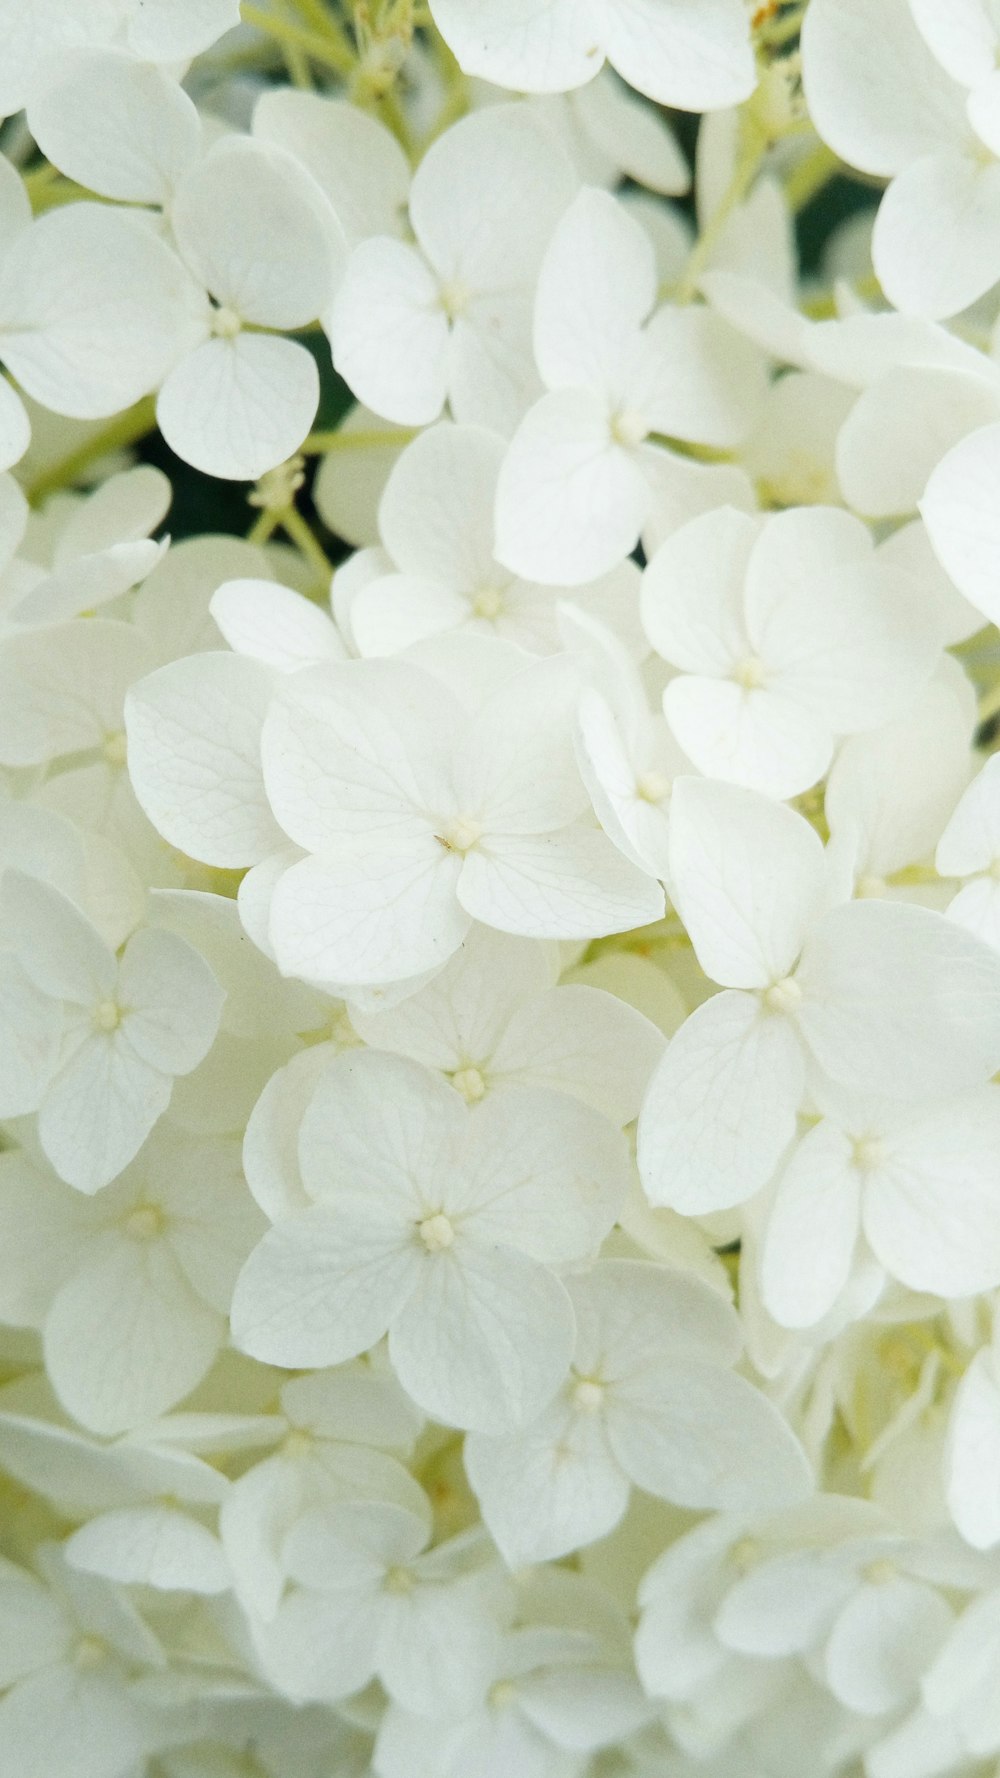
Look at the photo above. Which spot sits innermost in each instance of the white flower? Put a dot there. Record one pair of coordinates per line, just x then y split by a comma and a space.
71, 1644
697, 57
971, 1466
788, 633
103, 550
439, 1226
130, 1288
577, 484
339, 1436
830, 1578
117, 126
256, 233
126, 1028
436, 525
448, 319
907, 90
882, 997
368, 1600
495, 1018
650, 1402
921, 1184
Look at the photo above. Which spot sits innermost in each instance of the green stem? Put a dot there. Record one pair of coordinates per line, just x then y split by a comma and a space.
324, 444
125, 429
295, 527
754, 147
810, 176
326, 50
264, 526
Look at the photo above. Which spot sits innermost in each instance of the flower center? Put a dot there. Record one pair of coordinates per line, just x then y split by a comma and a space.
629, 428
488, 603
398, 1580
783, 996
588, 1395
749, 673
470, 1083
461, 836
454, 299
115, 748
144, 1223
436, 1232
89, 1652
868, 1152
502, 1694
226, 324
652, 787
106, 1016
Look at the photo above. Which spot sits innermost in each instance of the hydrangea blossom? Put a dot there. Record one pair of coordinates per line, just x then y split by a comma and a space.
499, 939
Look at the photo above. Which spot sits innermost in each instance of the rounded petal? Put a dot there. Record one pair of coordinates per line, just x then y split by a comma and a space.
570, 500
694, 54
930, 1205
721, 1107
324, 1286
534, 46
126, 1337
572, 884
194, 735
548, 1490
235, 408
962, 521
812, 1229
899, 1001
353, 158
390, 333
115, 125
94, 309
173, 1001
883, 1643
485, 1339
935, 245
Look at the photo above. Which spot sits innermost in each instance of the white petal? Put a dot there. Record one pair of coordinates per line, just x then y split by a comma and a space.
935, 247
549, 1490
126, 1337
359, 749
172, 998
930, 1205
254, 231
596, 287
883, 1643
572, 884
60, 1720
116, 126
963, 37
15, 428
898, 431
380, 911
542, 1174
701, 1437
30, 1034
721, 1107
961, 517
971, 840
570, 501
972, 1460
759, 739
353, 158
324, 1286
582, 1041
56, 944
537, 46
516, 771
383, 1125
875, 92
486, 1338
811, 1230
173, 30
272, 624
194, 731
235, 408
390, 333
502, 162
94, 309
692, 593
62, 690
694, 54
747, 877
153, 1546
45, 1227
99, 1110
900, 1001
695, 377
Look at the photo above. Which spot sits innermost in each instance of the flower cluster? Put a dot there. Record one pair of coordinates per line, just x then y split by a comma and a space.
500, 960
